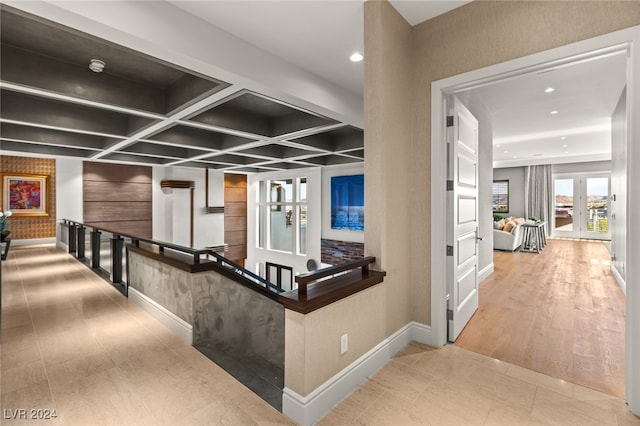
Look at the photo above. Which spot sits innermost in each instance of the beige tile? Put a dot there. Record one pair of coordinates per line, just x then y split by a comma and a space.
69, 344
15, 316
264, 414
502, 388
22, 376
20, 350
502, 415
218, 413
541, 380
34, 396
392, 409
77, 368
104, 397
402, 379
576, 413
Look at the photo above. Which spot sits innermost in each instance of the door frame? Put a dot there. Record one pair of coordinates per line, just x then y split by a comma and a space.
624, 40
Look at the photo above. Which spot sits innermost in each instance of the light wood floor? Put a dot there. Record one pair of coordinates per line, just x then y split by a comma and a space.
560, 313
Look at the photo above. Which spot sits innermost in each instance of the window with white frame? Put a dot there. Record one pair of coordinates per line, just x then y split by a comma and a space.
282, 215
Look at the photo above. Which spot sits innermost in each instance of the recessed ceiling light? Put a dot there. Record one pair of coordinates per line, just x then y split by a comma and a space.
356, 57
498, 146
566, 152
554, 112
515, 156
564, 138
565, 145
96, 65
549, 90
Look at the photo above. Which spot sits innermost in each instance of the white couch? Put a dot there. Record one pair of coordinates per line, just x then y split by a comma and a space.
508, 241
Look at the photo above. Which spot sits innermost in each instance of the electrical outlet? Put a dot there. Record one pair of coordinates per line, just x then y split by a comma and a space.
344, 344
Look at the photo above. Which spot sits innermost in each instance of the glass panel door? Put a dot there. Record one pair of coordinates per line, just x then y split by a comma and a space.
597, 209
564, 208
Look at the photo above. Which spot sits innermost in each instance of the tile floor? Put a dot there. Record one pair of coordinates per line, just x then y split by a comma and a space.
72, 343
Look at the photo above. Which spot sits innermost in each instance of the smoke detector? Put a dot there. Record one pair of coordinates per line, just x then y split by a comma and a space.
96, 65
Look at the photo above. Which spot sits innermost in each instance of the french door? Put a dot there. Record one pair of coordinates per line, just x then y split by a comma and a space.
581, 206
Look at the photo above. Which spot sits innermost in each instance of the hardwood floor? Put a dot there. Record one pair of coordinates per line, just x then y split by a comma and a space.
559, 312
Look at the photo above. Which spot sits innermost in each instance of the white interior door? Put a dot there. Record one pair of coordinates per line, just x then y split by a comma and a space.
462, 209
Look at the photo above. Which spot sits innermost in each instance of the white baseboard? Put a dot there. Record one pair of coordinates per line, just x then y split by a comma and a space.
62, 246
182, 329
485, 272
33, 242
307, 410
621, 282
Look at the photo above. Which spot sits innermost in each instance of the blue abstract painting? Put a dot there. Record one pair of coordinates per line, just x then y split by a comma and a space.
347, 202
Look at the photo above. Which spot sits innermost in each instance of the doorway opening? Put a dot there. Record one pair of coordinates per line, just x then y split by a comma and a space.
536, 63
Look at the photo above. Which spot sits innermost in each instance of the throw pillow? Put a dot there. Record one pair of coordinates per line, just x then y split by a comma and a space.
509, 226
520, 221
501, 223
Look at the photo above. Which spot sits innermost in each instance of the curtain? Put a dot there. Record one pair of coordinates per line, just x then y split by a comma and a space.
538, 193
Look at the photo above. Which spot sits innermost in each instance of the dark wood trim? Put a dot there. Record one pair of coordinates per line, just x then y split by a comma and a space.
322, 294
313, 292
177, 184
192, 207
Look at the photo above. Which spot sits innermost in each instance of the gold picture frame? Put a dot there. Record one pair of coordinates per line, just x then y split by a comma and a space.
25, 194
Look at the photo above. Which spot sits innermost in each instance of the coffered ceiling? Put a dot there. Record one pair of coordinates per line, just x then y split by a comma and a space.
142, 110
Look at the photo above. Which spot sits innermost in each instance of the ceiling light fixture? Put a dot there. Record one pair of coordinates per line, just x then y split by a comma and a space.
549, 90
554, 112
96, 65
564, 138
356, 57
565, 145
498, 146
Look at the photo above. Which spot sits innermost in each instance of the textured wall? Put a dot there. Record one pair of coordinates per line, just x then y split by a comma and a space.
168, 286
225, 315
312, 354
390, 187
237, 320
334, 252
27, 227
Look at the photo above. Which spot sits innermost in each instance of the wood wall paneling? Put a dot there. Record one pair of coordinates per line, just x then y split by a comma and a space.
235, 216
118, 197
99, 190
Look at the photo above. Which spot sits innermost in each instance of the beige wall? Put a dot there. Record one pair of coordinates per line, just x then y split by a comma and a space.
312, 342
389, 185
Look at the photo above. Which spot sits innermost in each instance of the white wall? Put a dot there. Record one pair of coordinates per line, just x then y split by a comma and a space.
257, 255
515, 176
68, 190
338, 234
587, 167
171, 210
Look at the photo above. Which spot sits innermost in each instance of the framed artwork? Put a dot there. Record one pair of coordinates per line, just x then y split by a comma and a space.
24, 194
347, 202
500, 196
